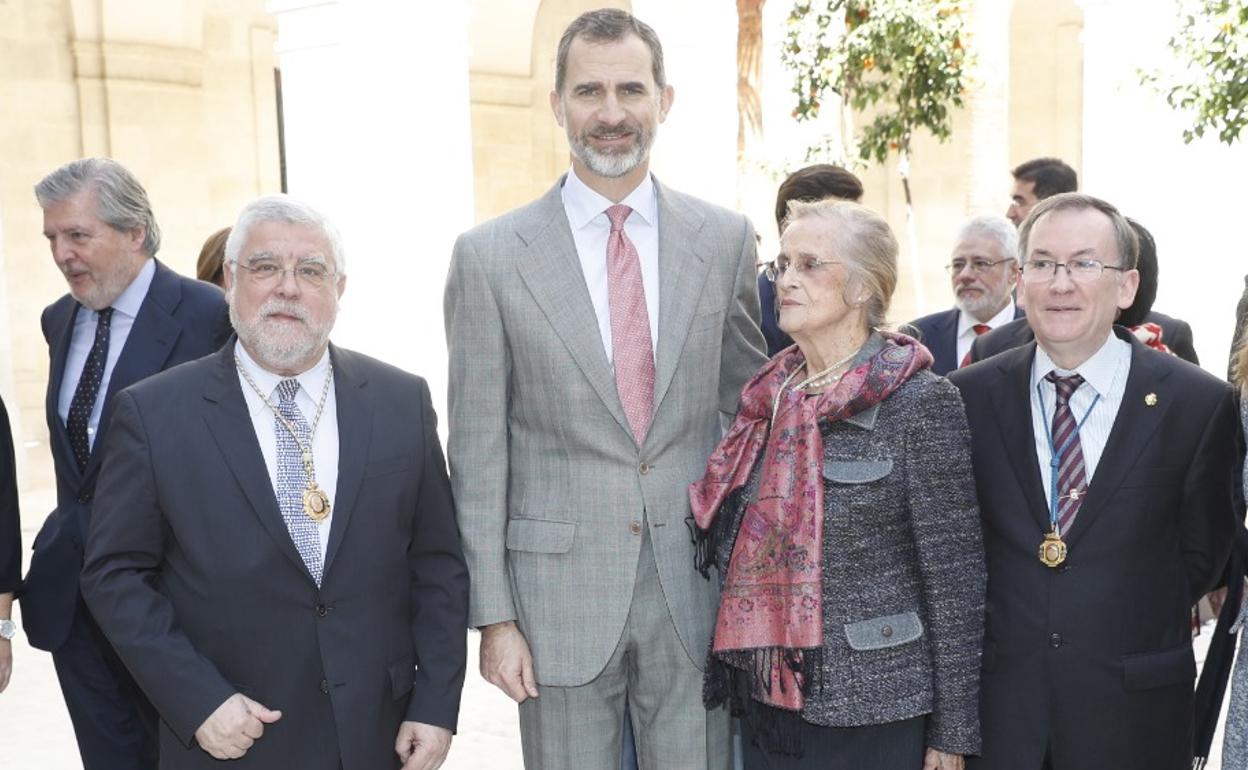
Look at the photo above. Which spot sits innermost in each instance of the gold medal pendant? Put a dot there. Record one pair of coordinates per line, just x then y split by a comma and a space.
316, 502
1052, 550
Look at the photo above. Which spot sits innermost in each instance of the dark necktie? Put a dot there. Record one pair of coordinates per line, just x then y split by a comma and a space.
631, 351
83, 403
978, 329
1071, 475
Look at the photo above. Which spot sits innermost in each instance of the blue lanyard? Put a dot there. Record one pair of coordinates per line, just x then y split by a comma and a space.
1055, 458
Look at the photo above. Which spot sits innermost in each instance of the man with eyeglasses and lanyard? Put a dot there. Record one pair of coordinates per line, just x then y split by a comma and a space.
273, 551
984, 271
1104, 471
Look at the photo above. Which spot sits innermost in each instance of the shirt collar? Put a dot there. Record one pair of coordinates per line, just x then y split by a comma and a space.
312, 381
1098, 371
131, 299
583, 204
966, 321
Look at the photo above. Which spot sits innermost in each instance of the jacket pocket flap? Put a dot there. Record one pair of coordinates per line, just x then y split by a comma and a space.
402, 677
856, 471
386, 467
540, 535
886, 631
1146, 670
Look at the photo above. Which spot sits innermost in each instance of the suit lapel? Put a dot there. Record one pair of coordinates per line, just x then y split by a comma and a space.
60, 354
551, 270
232, 428
1133, 426
683, 263
1012, 403
946, 352
148, 346
355, 430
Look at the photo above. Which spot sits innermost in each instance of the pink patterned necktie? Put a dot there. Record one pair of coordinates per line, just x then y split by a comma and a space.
631, 350
1071, 473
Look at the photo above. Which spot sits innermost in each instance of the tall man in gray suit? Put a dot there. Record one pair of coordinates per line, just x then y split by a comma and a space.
596, 336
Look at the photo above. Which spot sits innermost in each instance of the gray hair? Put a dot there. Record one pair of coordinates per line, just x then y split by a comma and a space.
1125, 239
288, 210
866, 246
608, 25
998, 228
120, 201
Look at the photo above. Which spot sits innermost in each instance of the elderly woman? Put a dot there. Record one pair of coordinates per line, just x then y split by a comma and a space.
840, 511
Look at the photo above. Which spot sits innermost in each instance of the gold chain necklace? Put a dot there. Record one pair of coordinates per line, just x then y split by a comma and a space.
315, 501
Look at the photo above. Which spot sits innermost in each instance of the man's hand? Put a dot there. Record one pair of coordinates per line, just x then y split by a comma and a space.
6, 662
506, 662
421, 746
939, 760
234, 727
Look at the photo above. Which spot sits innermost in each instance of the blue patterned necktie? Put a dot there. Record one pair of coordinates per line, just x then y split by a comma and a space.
88, 388
292, 478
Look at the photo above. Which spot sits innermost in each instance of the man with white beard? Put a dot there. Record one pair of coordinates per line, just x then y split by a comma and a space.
273, 550
984, 272
596, 337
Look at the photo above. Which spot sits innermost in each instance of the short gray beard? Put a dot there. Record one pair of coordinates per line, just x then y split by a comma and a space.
984, 303
280, 350
612, 166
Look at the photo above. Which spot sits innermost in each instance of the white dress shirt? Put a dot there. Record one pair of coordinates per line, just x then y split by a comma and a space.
966, 326
125, 310
1104, 374
586, 211
324, 438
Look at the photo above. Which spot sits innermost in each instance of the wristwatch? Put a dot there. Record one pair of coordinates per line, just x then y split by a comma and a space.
8, 629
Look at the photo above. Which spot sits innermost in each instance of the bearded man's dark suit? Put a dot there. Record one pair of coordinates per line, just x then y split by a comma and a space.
179, 320
1092, 661
196, 581
939, 334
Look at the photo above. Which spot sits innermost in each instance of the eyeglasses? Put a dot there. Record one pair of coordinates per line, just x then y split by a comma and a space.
1079, 270
977, 265
775, 270
265, 272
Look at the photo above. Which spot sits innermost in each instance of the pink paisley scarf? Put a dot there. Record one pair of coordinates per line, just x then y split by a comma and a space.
770, 610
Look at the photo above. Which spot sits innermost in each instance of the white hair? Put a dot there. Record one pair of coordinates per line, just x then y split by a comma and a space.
283, 208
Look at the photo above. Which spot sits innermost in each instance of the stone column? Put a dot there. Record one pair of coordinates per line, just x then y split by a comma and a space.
376, 114
988, 148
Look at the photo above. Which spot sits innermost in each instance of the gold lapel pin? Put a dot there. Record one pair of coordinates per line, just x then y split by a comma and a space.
1150, 399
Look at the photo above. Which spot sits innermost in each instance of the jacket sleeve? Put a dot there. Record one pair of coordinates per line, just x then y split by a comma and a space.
477, 449
743, 344
120, 582
10, 520
439, 588
946, 524
1209, 511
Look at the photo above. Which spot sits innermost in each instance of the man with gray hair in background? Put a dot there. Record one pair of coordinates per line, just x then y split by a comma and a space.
984, 271
126, 317
595, 337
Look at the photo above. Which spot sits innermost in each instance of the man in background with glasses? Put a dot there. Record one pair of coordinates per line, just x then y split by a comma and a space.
984, 272
1104, 471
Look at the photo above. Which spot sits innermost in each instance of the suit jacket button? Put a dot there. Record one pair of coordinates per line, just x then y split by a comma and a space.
84, 498
635, 527
644, 468
325, 686
322, 610
1055, 640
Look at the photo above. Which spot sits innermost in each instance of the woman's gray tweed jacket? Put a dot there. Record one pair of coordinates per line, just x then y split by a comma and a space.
903, 566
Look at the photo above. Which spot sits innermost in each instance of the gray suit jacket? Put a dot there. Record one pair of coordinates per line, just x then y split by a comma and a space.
551, 488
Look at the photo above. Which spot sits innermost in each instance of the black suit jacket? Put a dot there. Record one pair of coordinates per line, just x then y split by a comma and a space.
1093, 660
180, 320
1175, 333
10, 521
939, 333
194, 578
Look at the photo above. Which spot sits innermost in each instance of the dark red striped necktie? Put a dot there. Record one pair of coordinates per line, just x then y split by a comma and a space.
1072, 477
